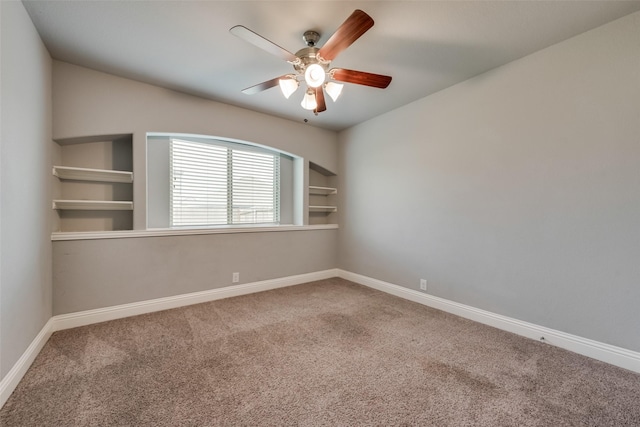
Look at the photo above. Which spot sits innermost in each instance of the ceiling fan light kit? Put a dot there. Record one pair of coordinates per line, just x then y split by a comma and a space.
314, 75
312, 64
288, 85
333, 89
309, 101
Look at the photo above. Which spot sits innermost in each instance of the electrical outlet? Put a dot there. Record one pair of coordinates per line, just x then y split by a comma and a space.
423, 284
236, 277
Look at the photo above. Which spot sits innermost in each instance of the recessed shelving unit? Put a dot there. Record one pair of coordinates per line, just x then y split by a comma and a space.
322, 195
94, 190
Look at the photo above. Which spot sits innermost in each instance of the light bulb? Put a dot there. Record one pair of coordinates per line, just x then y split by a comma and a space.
314, 75
288, 85
334, 90
309, 101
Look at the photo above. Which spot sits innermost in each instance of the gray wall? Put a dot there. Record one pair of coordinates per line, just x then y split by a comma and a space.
25, 184
101, 273
91, 274
517, 191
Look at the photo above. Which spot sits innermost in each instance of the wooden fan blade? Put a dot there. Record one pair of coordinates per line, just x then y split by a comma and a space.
360, 78
262, 86
322, 106
257, 40
356, 25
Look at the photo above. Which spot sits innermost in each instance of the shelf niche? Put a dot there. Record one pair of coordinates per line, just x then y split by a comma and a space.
92, 187
323, 197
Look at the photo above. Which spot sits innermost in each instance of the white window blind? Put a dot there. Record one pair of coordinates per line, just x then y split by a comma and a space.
222, 184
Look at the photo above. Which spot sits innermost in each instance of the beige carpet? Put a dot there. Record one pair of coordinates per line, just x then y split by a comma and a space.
324, 353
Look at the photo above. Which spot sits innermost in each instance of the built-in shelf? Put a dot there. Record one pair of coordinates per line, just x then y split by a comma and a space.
321, 170
322, 195
322, 191
93, 205
327, 209
98, 175
93, 191
93, 138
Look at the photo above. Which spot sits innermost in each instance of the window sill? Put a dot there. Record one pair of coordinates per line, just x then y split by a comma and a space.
159, 232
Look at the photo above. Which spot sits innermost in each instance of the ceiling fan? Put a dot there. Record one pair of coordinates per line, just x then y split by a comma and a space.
311, 64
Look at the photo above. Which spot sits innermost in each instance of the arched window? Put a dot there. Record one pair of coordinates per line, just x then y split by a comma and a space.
216, 182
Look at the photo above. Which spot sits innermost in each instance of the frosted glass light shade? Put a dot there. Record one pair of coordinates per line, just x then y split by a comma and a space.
334, 90
314, 75
309, 101
288, 86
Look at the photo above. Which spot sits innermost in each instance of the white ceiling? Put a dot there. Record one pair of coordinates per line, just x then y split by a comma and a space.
425, 46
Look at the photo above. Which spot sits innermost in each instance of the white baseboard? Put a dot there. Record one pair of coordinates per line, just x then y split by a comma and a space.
607, 353
83, 318
596, 350
13, 377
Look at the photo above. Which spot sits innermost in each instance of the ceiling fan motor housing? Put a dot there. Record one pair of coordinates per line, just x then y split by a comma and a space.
307, 56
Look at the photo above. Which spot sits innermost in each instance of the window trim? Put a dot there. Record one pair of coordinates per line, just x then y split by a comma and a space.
292, 217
